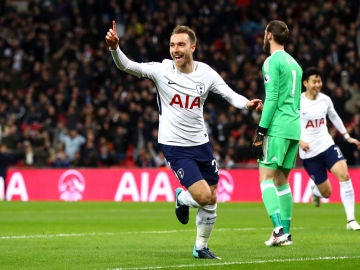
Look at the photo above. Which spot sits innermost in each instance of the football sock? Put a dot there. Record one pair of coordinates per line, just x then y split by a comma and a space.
348, 199
271, 201
286, 206
186, 199
205, 221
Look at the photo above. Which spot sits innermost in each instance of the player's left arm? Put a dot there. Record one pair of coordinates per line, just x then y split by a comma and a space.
339, 125
239, 101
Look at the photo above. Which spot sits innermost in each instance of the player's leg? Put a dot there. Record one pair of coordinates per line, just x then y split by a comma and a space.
186, 170
316, 169
192, 165
267, 171
340, 170
268, 168
198, 194
269, 195
205, 217
271, 202
207, 214
282, 183
205, 222
323, 190
192, 172
197, 190
285, 199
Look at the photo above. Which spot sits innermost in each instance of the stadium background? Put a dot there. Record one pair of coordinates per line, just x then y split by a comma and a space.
57, 77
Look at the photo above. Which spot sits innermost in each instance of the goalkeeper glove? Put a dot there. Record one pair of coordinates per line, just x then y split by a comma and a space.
257, 144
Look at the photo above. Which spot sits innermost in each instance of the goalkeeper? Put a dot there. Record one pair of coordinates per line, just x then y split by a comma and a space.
277, 139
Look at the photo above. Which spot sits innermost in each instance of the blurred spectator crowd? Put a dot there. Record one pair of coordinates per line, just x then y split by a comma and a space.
64, 104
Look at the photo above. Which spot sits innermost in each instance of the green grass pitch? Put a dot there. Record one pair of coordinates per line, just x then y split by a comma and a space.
144, 236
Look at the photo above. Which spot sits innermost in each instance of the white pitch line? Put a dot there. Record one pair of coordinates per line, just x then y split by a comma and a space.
46, 236
305, 259
59, 235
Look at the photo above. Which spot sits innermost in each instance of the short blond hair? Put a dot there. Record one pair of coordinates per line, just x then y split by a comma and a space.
183, 29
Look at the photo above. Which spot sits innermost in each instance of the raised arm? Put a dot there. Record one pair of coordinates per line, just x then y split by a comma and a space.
121, 60
112, 38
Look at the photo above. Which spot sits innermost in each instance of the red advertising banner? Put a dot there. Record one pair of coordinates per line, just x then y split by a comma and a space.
146, 185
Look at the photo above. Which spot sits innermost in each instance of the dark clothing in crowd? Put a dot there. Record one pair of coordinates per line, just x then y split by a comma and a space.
56, 73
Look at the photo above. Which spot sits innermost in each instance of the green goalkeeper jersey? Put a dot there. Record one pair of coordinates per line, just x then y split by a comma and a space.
281, 112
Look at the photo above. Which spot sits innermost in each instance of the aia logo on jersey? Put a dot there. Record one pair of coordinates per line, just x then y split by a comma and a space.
186, 102
315, 123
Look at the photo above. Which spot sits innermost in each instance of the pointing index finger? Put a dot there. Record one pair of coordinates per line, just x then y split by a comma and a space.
114, 26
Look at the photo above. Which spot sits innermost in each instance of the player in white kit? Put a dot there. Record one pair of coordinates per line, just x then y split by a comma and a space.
317, 149
182, 86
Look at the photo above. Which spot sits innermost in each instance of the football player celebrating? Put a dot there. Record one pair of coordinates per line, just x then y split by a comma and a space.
183, 85
318, 151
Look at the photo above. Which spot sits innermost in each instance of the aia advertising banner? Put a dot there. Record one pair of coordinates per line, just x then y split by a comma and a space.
145, 185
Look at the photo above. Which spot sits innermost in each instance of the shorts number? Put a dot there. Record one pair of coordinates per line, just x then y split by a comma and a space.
214, 164
337, 149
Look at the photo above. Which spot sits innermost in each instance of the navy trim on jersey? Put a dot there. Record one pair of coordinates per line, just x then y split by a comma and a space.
158, 100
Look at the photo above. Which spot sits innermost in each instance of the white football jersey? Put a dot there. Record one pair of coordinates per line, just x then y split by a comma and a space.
181, 97
313, 115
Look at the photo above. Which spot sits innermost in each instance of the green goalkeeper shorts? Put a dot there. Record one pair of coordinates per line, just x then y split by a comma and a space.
279, 153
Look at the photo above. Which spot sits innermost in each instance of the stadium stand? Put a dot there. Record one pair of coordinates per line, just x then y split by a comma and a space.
57, 75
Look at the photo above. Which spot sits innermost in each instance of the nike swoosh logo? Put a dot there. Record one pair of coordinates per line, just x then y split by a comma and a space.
171, 82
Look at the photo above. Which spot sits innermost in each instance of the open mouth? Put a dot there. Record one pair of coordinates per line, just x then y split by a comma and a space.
178, 57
